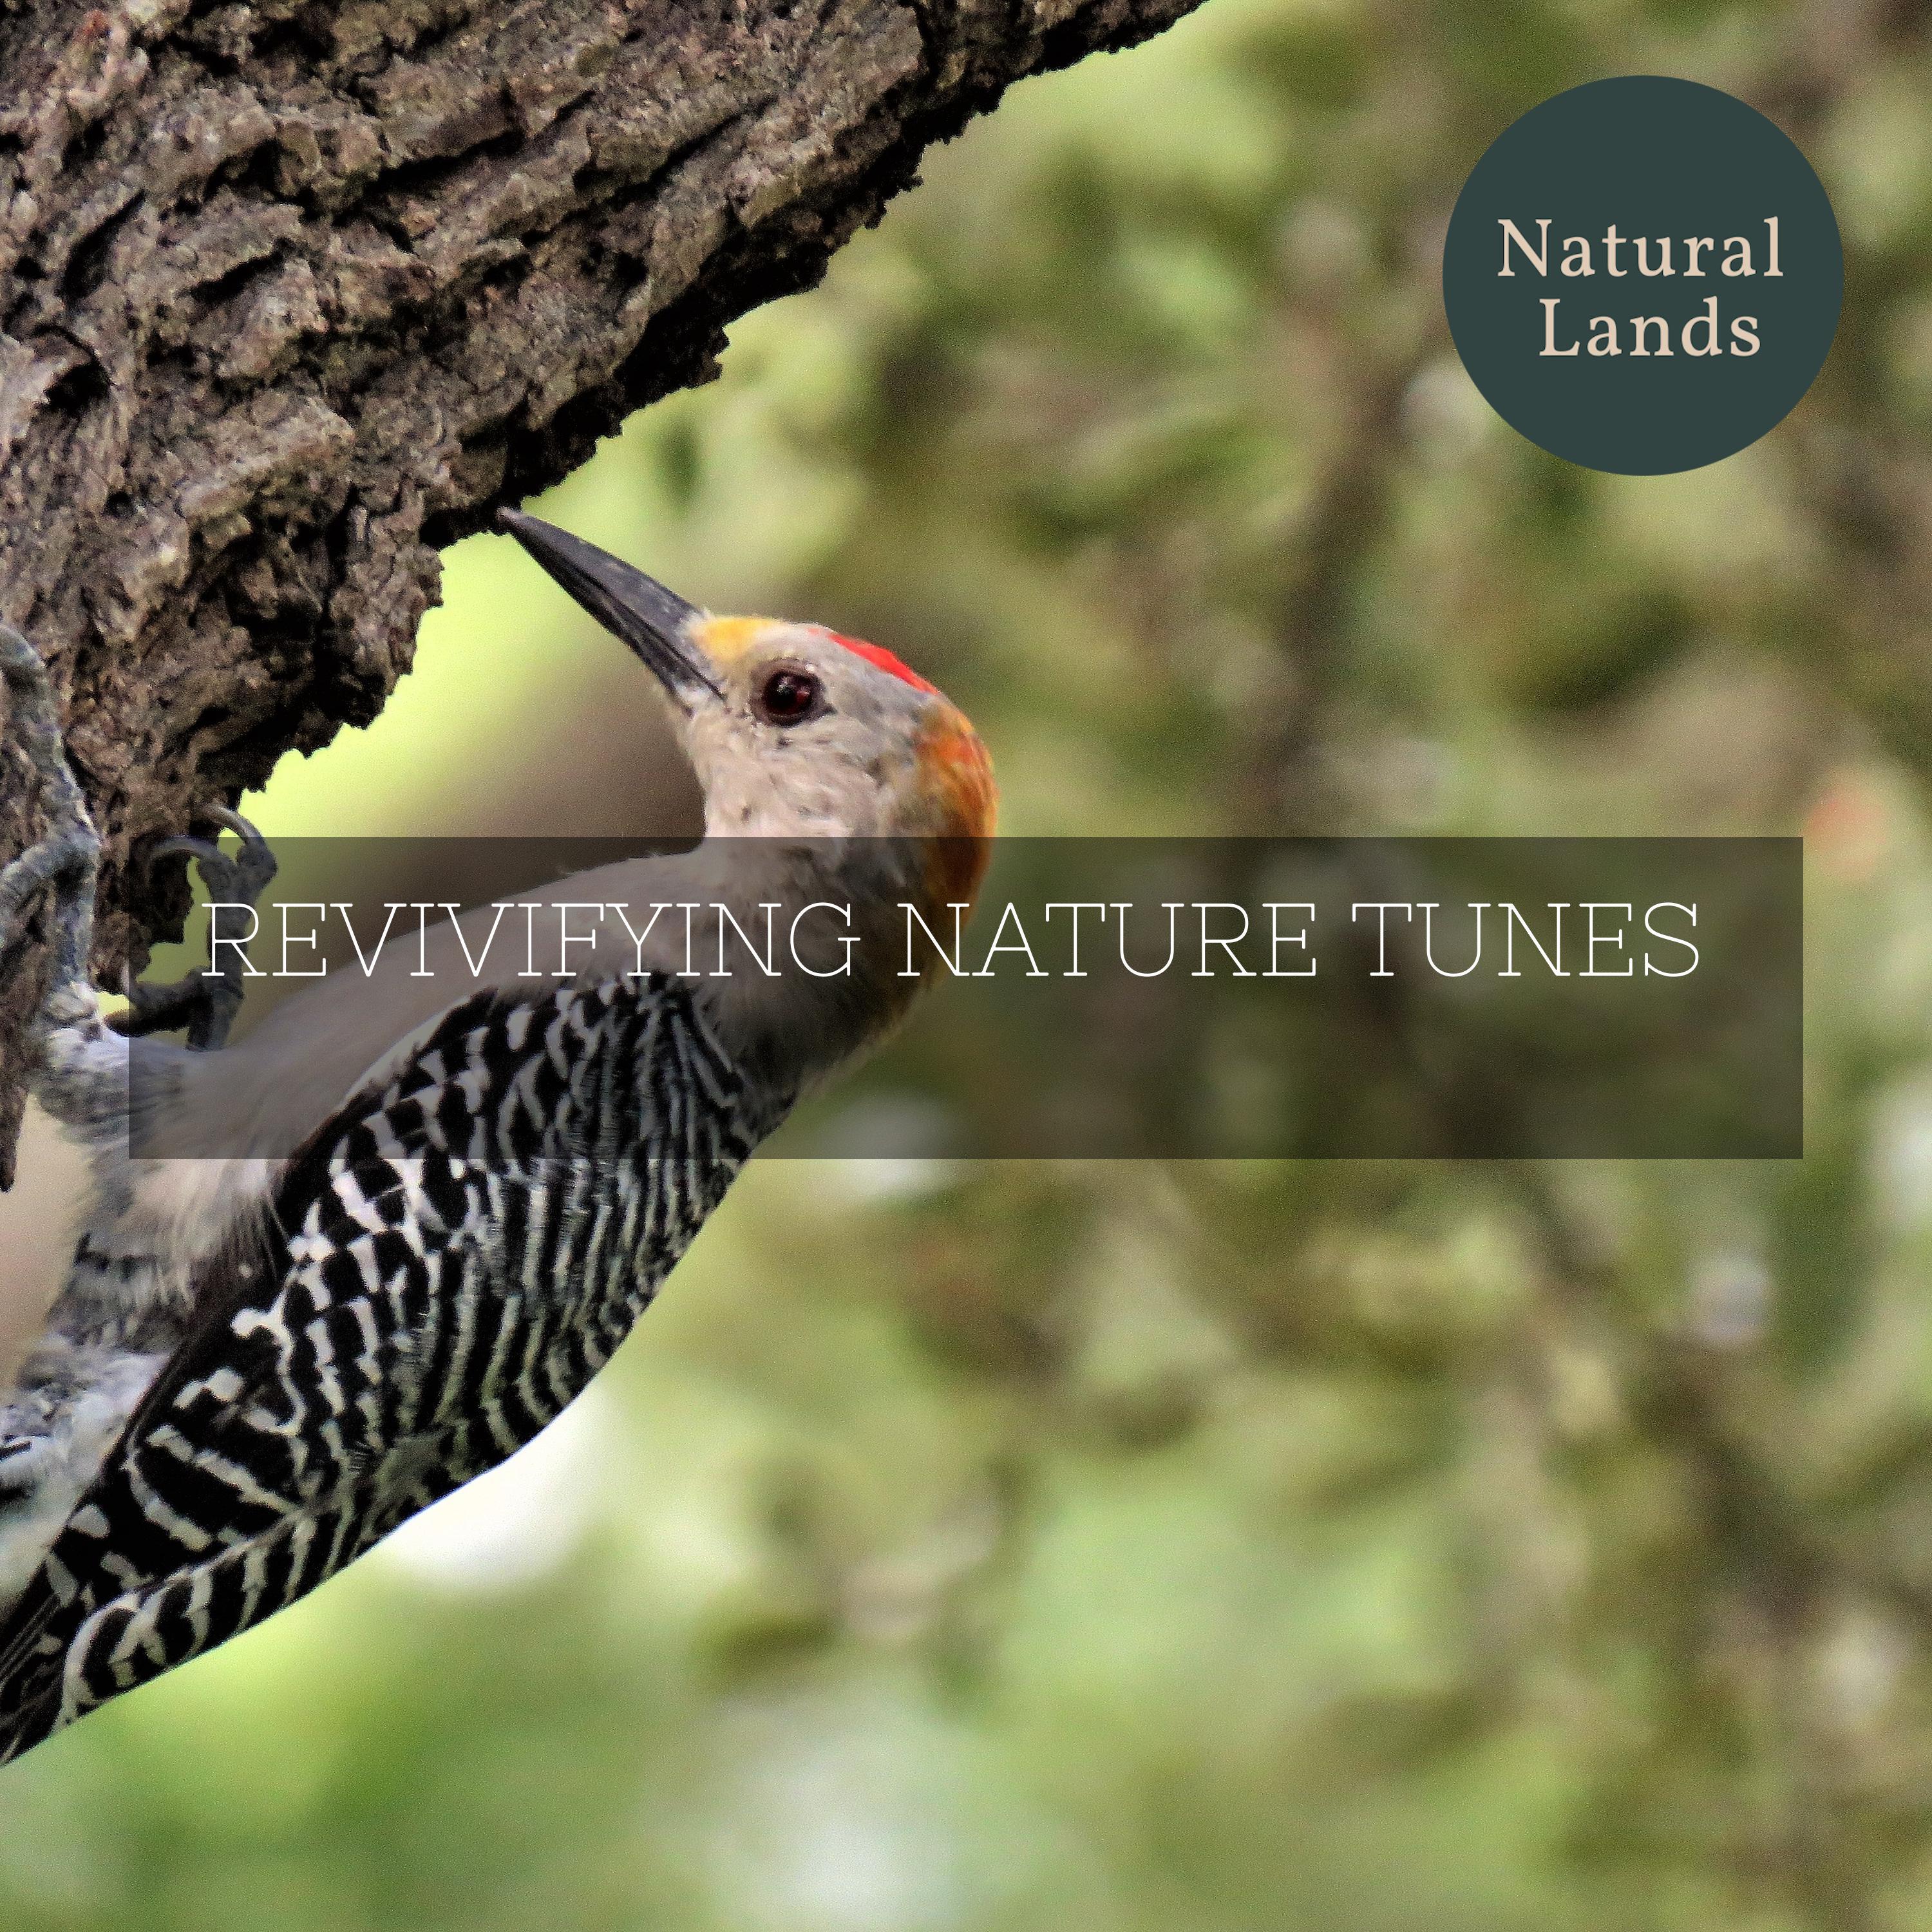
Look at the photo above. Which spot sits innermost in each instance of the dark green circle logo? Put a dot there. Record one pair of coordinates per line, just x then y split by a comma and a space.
1642, 274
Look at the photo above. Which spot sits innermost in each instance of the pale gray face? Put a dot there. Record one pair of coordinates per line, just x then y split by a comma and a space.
804, 735
792, 731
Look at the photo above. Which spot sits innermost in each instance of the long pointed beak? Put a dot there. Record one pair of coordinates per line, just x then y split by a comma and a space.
655, 623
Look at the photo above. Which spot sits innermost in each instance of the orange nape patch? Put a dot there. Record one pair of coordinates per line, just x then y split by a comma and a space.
960, 776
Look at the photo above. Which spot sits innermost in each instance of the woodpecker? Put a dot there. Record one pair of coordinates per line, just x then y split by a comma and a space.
263, 1361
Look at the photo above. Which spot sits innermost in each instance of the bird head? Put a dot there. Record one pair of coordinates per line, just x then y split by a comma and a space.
796, 733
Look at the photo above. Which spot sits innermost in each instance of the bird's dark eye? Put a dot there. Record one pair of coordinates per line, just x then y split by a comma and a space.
790, 696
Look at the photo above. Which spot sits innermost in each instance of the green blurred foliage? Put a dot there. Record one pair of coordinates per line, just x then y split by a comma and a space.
1206, 1548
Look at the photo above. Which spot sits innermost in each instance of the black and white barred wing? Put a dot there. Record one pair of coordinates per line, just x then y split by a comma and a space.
231, 1492
452, 1261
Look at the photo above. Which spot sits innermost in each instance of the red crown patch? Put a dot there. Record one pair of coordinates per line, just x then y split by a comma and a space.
876, 654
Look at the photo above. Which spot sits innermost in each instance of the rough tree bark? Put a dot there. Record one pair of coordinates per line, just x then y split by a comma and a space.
293, 292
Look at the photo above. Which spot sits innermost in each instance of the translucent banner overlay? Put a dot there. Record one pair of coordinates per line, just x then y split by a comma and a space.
1106, 998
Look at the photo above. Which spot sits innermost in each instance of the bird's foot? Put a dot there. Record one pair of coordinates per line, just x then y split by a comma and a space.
23, 1461
68, 857
205, 1003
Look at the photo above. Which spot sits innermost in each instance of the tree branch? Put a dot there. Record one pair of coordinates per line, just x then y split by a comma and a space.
293, 292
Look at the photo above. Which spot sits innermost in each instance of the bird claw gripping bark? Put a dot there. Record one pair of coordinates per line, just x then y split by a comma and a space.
69, 1043
121, 1306
205, 1003
67, 856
